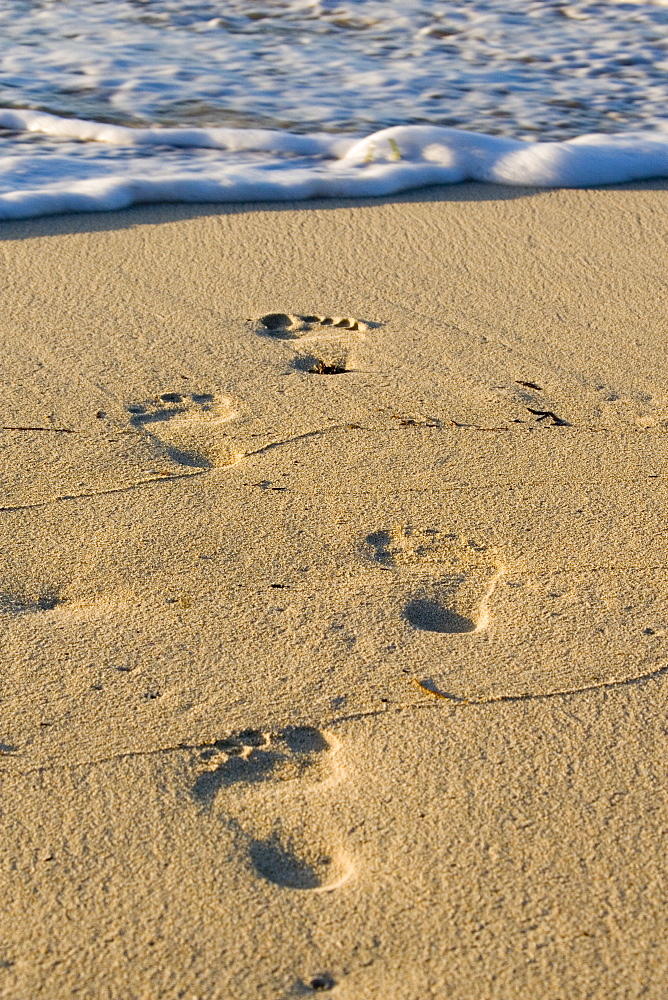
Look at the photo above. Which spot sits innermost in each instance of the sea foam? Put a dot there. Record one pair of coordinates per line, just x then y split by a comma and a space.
91, 166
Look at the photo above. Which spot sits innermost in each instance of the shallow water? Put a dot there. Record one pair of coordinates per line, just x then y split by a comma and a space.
549, 67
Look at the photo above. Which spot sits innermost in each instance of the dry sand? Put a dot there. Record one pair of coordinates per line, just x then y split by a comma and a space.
224, 568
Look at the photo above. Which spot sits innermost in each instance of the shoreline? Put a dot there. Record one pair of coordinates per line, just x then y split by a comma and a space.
77, 173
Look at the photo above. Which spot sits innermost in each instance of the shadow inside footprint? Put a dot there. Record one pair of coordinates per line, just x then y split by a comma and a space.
234, 769
192, 459
140, 418
430, 616
325, 368
278, 863
172, 420
304, 739
250, 757
24, 605
380, 542
280, 325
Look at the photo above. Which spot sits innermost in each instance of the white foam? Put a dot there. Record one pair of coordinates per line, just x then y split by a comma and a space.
103, 167
232, 139
97, 167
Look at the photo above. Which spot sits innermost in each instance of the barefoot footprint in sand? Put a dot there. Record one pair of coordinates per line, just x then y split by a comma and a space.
186, 427
287, 327
290, 765
325, 342
251, 756
454, 595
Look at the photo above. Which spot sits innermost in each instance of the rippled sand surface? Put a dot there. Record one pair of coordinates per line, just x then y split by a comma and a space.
333, 600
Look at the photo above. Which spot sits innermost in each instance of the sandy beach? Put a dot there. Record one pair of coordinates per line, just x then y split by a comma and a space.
334, 599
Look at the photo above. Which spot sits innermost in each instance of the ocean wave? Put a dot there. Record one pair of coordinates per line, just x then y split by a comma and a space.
554, 68
91, 166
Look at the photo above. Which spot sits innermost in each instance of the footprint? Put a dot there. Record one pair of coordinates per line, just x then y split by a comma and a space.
455, 603
291, 765
409, 546
186, 427
454, 598
251, 756
287, 327
299, 866
334, 336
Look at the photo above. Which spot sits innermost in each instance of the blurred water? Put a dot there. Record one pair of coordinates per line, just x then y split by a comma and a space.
551, 68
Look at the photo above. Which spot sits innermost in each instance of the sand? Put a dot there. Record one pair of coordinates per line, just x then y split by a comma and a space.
335, 649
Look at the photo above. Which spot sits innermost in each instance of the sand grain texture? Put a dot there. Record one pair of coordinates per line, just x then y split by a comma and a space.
334, 600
